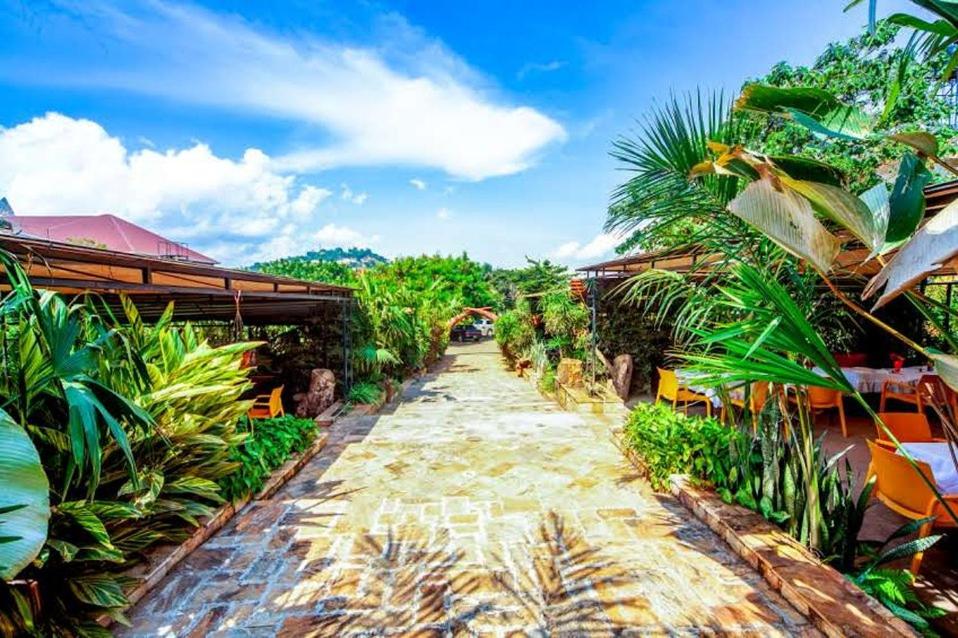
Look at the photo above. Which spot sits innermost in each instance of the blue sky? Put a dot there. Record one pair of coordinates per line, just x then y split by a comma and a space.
253, 130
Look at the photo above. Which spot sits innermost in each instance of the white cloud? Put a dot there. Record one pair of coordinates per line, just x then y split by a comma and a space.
443, 214
418, 184
415, 104
539, 67
567, 249
356, 198
333, 235
237, 210
600, 245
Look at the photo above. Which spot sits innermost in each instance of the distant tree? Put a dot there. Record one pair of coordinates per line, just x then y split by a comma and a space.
536, 277
328, 265
458, 280
863, 71
329, 272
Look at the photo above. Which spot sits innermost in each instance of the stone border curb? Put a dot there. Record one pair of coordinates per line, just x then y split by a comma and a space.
290, 468
174, 555
830, 601
369, 409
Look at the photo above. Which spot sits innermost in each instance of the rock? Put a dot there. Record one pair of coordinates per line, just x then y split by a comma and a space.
322, 387
569, 373
622, 375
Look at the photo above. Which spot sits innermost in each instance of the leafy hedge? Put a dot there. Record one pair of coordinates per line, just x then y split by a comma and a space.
668, 442
269, 445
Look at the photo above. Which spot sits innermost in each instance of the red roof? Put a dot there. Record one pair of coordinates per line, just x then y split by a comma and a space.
103, 231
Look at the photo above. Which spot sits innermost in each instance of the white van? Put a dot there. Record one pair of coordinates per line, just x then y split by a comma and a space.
486, 327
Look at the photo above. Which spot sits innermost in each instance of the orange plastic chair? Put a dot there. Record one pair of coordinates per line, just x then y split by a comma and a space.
917, 395
903, 491
908, 427
671, 390
757, 396
267, 406
820, 399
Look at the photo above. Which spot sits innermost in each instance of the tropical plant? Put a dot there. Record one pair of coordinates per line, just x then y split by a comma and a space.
893, 587
566, 323
133, 426
931, 38
24, 503
267, 446
364, 392
798, 214
514, 332
535, 278
669, 442
790, 480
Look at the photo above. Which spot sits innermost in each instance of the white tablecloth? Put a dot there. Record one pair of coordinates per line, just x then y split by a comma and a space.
938, 458
867, 380
688, 379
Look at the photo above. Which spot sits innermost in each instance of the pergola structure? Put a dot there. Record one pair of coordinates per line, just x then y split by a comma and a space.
200, 292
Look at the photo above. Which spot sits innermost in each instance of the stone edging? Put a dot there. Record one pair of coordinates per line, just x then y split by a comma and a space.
171, 556
820, 593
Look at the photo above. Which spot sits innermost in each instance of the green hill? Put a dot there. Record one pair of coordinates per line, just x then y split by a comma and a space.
330, 265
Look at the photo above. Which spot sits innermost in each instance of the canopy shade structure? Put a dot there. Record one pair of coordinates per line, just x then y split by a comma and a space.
200, 291
850, 263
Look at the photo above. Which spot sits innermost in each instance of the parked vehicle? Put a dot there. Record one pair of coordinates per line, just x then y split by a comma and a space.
465, 332
486, 327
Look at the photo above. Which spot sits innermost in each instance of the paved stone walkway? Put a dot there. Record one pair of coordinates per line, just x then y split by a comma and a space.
473, 508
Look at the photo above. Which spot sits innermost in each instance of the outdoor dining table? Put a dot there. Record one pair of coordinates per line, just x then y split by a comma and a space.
688, 379
868, 380
938, 457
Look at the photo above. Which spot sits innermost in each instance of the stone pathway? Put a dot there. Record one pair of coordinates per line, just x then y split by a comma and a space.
473, 508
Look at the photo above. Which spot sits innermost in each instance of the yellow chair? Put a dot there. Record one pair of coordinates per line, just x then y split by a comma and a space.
671, 390
899, 487
757, 396
908, 427
918, 395
267, 406
820, 399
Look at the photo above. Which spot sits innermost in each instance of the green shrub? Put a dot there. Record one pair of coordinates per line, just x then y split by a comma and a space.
133, 425
566, 322
668, 442
514, 332
270, 444
547, 380
364, 392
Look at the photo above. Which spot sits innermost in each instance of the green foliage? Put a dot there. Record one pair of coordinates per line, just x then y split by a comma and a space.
668, 442
24, 500
456, 281
547, 380
403, 307
773, 214
269, 444
327, 272
364, 392
133, 426
894, 587
862, 71
791, 481
328, 265
624, 329
567, 321
535, 278
514, 332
